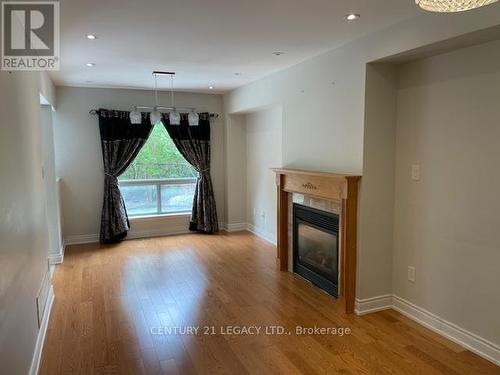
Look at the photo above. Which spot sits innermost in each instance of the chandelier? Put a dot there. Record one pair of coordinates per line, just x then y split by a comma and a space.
449, 6
155, 112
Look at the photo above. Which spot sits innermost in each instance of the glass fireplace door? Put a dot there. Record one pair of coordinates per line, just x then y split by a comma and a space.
317, 249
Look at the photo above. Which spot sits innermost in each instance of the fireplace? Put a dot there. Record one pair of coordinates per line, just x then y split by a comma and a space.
342, 191
316, 247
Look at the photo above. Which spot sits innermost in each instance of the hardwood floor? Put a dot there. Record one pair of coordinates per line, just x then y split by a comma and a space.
112, 301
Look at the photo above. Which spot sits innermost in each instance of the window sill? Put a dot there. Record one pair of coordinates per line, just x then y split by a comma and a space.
159, 216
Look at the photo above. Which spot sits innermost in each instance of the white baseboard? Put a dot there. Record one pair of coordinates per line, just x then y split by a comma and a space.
453, 332
81, 239
374, 304
167, 230
132, 235
266, 236
170, 231
236, 227
459, 335
52, 269
37, 355
57, 258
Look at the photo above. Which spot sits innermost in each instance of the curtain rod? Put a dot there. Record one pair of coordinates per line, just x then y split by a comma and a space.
95, 112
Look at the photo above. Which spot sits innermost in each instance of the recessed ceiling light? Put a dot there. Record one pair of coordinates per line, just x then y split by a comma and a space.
278, 53
91, 37
210, 87
352, 16
90, 65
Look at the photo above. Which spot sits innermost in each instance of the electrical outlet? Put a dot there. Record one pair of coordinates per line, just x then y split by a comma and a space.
415, 172
411, 274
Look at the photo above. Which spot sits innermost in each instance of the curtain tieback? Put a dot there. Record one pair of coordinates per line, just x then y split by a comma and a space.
110, 175
206, 170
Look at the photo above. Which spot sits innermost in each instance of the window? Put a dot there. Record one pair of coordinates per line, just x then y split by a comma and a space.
159, 180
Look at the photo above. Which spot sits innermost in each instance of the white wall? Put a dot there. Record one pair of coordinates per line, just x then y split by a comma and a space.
322, 122
377, 185
323, 97
263, 151
23, 230
235, 171
447, 224
79, 158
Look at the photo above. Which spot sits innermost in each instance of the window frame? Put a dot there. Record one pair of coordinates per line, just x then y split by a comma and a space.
158, 183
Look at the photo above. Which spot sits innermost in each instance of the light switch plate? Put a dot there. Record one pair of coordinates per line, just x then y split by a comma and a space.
411, 274
415, 172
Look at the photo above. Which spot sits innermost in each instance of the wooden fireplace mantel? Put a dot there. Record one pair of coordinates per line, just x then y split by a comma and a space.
329, 186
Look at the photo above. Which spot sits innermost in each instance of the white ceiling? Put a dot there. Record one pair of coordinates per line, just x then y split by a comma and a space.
207, 41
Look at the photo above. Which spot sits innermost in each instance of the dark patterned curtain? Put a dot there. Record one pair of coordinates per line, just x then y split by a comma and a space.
121, 141
193, 142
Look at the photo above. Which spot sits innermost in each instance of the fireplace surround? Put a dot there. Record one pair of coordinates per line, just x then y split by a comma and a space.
341, 191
